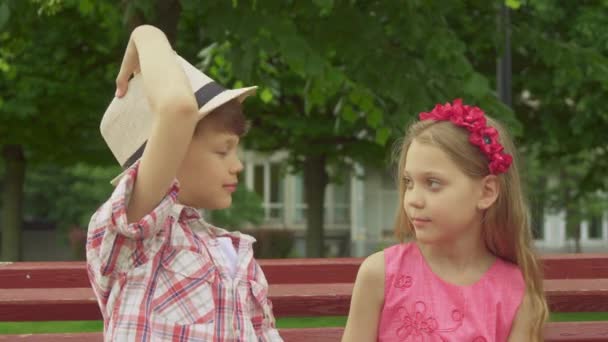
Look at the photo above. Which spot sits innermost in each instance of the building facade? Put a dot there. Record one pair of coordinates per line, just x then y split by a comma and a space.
362, 210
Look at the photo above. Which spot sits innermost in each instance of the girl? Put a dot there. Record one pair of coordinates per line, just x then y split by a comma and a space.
465, 270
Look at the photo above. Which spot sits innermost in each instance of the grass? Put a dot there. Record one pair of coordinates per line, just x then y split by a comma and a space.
282, 323
91, 326
50, 327
578, 316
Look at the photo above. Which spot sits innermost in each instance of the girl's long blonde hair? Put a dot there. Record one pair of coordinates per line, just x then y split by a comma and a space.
506, 225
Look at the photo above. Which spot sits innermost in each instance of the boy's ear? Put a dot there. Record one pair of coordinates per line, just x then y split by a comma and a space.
490, 189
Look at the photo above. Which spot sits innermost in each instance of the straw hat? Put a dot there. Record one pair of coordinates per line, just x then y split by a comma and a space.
127, 122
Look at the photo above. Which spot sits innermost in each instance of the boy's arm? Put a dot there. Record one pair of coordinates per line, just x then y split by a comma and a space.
264, 313
115, 246
124, 232
172, 100
366, 302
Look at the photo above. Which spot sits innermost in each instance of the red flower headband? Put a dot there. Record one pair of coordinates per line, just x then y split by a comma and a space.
483, 136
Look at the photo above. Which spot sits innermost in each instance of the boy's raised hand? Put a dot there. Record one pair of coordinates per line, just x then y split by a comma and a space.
174, 114
129, 66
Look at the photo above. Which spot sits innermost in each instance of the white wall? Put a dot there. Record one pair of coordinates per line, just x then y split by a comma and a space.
373, 205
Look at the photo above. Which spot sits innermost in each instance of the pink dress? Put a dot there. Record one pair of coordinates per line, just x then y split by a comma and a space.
420, 306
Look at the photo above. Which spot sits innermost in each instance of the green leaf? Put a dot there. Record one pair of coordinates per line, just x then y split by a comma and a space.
476, 85
513, 4
266, 95
5, 13
220, 61
4, 67
374, 118
349, 114
326, 6
86, 6
382, 135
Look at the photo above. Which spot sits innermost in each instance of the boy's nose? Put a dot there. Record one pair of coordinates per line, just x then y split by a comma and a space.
237, 167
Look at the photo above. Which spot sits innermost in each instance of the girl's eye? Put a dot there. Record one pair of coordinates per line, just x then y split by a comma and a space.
407, 181
222, 153
433, 183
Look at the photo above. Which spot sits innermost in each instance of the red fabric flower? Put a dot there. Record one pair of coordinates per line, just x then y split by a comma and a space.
483, 136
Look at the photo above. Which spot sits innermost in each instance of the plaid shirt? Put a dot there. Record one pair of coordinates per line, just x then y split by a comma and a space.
165, 278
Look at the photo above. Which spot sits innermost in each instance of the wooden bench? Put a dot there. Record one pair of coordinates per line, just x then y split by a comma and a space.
48, 291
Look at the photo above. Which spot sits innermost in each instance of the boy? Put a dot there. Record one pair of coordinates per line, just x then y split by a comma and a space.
158, 270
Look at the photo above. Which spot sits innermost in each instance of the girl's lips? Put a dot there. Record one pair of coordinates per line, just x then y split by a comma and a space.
230, 187
419, 222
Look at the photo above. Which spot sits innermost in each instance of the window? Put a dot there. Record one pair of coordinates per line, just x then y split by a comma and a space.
258, 180
341, 203
337, 202
573, 225
595, 227
538, 220
269, 184
388, 179
299, 200
277, 186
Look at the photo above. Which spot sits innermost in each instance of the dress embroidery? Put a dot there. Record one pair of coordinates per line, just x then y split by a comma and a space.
403, 282
417, 325
420, 307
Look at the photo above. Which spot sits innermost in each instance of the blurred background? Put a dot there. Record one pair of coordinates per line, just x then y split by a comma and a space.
338, 83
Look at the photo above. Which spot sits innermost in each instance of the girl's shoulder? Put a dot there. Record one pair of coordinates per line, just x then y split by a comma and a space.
506, 270
399, 248
396, 255
370, 277
372, 268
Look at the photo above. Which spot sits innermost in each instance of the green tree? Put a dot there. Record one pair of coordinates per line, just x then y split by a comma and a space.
560, 54
561, 64
246, 208
56, 61
339, 79
55, 84
68, 196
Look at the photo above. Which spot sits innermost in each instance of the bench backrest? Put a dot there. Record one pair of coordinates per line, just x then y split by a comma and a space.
281, 271
299, 287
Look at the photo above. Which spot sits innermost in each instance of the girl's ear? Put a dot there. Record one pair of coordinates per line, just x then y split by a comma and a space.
489, 192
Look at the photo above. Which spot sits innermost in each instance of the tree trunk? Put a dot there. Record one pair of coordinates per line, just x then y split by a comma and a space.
315, 181
167, 17
573, 219
12, 202
573, 226
167, 13
538, 205
503, 66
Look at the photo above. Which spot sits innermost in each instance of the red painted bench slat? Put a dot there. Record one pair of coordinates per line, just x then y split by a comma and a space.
289, 335
577, 332
70, 337
300, 287
554, 332
281, 271
20, 275
569, 295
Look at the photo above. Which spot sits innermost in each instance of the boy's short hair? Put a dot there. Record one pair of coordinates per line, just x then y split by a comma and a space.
227, 118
